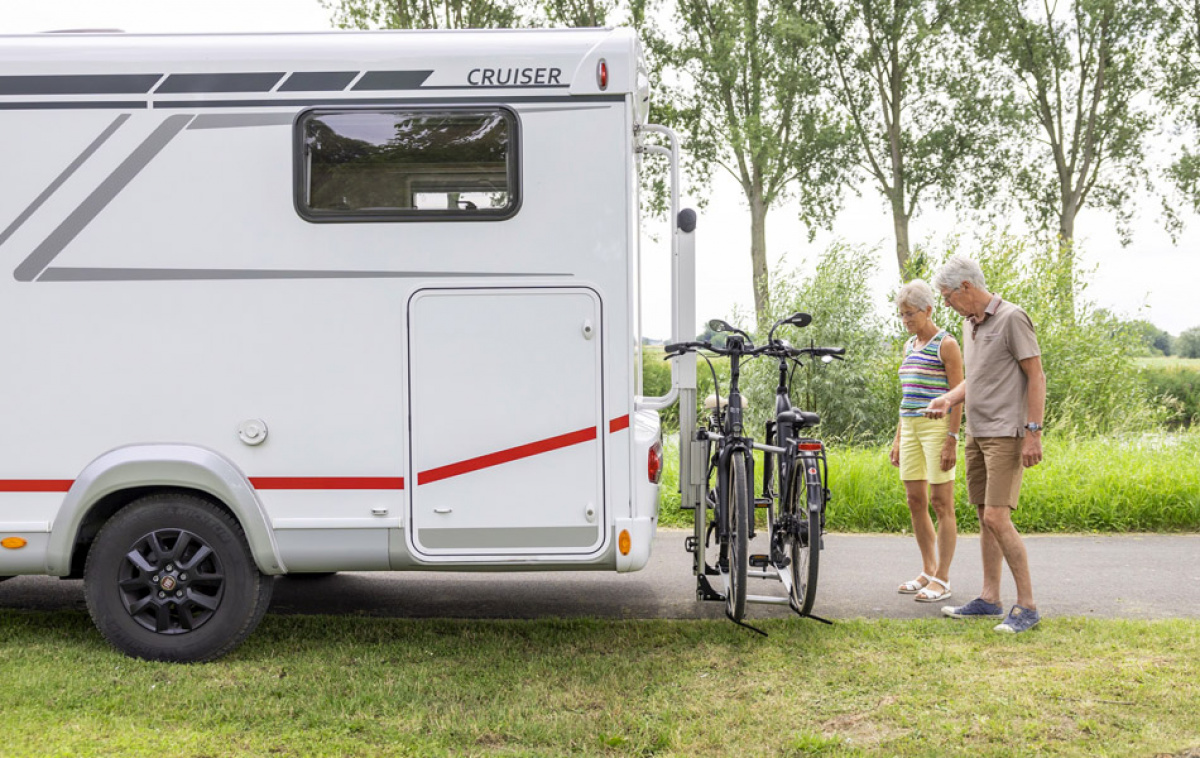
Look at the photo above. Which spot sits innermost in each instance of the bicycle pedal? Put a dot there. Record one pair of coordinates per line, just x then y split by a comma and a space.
762, 502
758, 561
689, 544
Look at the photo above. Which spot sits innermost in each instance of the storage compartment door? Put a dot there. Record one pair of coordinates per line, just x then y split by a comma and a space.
507, 439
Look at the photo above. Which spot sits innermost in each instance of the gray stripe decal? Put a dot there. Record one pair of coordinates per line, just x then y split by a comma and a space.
206, 83
328, 101
318, 81
69, 274
380, 80
80, 105
75, 223
236, 120
66, 174
514, 537
86, 84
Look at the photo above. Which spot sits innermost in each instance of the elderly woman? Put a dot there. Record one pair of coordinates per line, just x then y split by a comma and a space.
925, 449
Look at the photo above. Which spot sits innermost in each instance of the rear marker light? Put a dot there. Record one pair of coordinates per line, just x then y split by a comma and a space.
13, 543
623, 542
812, 446
602, 74
654, 463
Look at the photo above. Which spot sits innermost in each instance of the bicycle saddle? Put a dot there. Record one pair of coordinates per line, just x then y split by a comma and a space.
800, 419
710, 402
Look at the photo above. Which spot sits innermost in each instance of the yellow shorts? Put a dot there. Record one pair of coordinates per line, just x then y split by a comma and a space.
921, 443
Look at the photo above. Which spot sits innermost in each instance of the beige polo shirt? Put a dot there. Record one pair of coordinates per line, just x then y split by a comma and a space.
997, 388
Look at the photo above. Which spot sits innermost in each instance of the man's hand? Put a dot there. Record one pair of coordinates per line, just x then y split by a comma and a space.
949, 453
937, 408
1031, 450
894, 457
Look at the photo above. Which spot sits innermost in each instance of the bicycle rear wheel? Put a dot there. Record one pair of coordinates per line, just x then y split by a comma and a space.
737, 526
804, 534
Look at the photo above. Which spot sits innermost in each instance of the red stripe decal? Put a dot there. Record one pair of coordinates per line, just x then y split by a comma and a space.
618, 424
328, 482
35, 485
506, 456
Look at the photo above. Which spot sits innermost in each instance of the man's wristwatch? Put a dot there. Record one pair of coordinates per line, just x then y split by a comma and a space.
1033, 426
953, 434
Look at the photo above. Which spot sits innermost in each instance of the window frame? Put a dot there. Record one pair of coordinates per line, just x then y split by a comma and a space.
300, 172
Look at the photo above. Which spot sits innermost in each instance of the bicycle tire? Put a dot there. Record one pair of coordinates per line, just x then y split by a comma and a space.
804, 551
737, 524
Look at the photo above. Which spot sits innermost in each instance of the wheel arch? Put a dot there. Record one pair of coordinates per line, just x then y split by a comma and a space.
121, 476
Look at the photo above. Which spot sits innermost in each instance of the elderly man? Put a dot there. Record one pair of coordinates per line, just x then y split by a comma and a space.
1005, 396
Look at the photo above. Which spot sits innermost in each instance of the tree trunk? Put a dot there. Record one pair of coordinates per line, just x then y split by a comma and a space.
758, 256
1066, 253
900, 223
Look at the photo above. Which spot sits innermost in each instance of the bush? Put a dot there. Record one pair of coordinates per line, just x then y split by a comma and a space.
1087, 353
1177, 389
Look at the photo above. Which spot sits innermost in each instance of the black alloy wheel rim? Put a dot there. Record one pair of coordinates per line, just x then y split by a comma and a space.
171, 581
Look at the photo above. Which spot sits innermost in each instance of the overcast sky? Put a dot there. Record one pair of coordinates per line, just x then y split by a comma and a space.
1152, 278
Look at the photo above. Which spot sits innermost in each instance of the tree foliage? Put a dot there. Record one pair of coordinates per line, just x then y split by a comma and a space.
1187, 344
747, 97
1180, 91
426, 14
923, 116
1081, 72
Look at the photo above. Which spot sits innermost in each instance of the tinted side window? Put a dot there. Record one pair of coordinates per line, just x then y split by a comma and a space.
418, 164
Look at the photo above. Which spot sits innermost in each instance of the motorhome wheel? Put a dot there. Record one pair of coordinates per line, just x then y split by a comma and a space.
171, 578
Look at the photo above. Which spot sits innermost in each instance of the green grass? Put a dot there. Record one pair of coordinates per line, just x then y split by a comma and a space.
1169, 362
338, 686
1147, 483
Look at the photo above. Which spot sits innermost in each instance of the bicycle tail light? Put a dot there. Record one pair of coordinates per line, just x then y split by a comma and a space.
654, 463
812, 447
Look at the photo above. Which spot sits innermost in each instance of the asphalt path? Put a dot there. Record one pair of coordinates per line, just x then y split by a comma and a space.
1144, 576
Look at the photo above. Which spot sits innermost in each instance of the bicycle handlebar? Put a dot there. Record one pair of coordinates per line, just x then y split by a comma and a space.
776, 349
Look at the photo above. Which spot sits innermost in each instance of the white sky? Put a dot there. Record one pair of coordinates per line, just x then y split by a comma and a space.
1152, 278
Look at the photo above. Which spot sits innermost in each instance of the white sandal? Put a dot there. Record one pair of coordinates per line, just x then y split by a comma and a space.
927, 595
913, 586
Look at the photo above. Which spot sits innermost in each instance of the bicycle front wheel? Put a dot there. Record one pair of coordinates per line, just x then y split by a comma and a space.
805, 540
737, 527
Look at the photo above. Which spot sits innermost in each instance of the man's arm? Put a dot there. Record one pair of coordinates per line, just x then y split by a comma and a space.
939, 406
1031, 448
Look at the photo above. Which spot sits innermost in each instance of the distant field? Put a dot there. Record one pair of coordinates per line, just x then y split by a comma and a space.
1169, 362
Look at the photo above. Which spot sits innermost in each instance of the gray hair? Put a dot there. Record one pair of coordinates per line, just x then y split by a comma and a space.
916, 293
957, 270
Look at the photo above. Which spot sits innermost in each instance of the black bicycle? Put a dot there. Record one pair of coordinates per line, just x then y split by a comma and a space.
798, 464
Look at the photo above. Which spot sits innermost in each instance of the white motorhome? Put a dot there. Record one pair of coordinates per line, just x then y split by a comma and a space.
301, 303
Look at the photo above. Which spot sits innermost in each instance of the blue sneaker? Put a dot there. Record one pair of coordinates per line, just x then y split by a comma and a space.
1020, 619
976, 609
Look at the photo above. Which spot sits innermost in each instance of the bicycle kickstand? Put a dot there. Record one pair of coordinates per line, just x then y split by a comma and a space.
809, 615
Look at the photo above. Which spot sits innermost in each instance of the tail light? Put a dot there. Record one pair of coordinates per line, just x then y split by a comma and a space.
602, 74
654, 463
812, 447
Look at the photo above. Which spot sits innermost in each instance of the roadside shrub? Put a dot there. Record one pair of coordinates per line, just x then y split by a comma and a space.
1087, 353
857, 398
1177, 390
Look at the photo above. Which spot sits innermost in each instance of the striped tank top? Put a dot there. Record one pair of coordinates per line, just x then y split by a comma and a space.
922, 375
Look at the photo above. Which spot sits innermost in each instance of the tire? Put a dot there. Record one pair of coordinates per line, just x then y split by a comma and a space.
804, 549
181, 545
737, 514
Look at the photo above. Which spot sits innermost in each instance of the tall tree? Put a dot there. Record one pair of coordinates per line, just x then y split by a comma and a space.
425, 14
471, 14
922, 113
1081, 71
1181, 93
748, 101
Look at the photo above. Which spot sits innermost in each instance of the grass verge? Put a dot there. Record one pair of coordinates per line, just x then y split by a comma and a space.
380, 687
1147, 483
